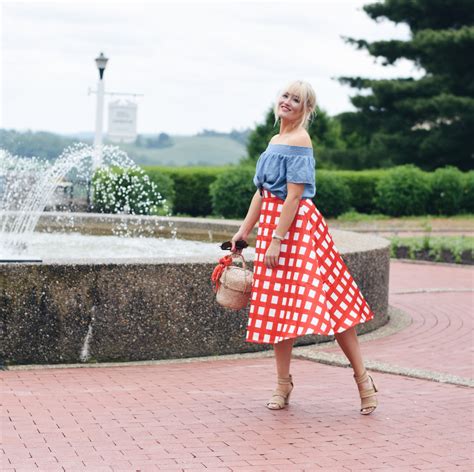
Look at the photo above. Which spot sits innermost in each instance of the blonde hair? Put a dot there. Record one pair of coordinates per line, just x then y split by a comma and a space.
306, 93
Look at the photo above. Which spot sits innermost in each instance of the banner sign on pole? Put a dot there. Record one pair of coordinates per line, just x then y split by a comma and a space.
122, 121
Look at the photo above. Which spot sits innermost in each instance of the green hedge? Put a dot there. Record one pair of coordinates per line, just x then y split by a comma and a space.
191, 187
446, 191
397, 191
333, 194
403, 190
362, 185
467, 203
232, 192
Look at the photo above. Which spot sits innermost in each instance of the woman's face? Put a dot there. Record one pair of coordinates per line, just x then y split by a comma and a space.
290, 106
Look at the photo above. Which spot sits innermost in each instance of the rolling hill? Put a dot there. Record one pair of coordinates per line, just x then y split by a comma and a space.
190, 151
208, 148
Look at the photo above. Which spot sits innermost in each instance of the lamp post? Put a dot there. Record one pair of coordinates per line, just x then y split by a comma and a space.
101, 62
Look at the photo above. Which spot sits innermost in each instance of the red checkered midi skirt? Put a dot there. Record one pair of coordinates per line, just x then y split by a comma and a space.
310, 291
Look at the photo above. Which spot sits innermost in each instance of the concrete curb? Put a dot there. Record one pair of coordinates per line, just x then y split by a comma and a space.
432, 263
376, 366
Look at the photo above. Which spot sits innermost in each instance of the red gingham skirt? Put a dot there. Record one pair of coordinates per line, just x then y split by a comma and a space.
310, 291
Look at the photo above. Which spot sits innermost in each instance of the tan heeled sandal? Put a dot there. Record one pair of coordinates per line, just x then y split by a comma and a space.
367, 396
279, 399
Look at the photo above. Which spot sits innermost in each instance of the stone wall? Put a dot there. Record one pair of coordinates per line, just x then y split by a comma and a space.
62, 312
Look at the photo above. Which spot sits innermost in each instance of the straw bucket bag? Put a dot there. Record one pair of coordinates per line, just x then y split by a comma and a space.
233, 284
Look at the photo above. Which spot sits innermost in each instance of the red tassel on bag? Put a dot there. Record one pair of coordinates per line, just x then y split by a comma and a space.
216, 274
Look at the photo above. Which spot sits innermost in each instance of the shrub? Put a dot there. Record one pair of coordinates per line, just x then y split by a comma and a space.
446, 191
164, 184
333, 195
127, 190
191, 186
362, 185
467, 203
232, 192
403, 190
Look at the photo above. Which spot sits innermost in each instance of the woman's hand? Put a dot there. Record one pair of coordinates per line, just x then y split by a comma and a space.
273, 253
241, 234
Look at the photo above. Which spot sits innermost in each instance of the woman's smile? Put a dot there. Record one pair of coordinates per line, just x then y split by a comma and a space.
289, 106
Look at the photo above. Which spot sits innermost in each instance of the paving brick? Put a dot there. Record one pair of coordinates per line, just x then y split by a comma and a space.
440, 335
211, 415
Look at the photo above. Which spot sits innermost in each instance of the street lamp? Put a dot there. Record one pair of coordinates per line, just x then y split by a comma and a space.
101, 62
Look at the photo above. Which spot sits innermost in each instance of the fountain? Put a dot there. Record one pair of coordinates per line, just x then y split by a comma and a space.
129, 285
28, 185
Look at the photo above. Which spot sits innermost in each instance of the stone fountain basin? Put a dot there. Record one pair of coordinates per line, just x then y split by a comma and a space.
97, 310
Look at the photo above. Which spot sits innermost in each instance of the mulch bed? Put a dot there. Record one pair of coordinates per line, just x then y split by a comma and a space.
401, 252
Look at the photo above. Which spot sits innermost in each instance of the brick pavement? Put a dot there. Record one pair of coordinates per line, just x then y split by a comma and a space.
407, 275
440, 337
210, 415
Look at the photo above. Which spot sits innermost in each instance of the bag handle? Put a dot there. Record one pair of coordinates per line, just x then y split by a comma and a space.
236, 254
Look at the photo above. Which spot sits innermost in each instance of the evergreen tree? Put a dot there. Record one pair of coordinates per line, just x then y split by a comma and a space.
429, 121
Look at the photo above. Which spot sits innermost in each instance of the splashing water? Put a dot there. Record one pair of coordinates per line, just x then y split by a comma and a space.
28, 185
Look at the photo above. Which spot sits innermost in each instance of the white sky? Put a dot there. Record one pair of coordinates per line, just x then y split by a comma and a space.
215, 65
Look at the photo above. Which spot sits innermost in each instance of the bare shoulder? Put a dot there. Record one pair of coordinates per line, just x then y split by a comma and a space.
301, 138
298, 138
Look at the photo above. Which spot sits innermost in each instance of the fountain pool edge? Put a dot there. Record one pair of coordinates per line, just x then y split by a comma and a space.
83, 310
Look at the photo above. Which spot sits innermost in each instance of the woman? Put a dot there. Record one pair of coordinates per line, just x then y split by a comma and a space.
301, 284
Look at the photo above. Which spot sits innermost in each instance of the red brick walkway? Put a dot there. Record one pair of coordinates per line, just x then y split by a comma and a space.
210, 415
440, 337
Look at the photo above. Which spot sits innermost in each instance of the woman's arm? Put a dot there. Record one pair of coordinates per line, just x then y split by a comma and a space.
253, 215
287, 215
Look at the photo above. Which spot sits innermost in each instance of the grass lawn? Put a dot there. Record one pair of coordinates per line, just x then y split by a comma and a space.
354, 220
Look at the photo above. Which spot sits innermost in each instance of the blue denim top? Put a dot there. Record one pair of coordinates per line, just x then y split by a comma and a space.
282, 163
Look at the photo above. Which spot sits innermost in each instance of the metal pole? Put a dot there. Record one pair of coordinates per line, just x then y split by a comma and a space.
99, 119
101, 62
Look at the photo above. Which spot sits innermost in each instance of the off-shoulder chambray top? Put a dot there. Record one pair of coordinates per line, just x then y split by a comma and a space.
282, 163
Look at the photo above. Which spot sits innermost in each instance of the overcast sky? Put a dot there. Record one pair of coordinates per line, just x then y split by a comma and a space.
215, 65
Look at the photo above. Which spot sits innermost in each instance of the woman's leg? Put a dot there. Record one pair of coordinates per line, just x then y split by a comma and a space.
283, 356
349, 344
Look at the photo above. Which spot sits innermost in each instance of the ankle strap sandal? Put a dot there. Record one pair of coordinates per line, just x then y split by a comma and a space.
279, 398
367, 396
